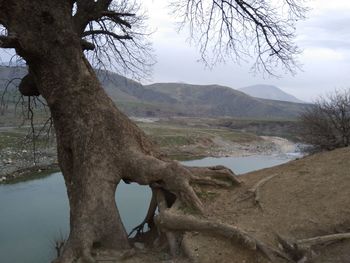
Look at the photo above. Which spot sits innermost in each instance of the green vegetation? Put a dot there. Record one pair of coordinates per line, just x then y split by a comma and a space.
178, 138
21, 139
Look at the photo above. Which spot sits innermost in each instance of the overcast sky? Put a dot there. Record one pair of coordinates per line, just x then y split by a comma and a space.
324, 38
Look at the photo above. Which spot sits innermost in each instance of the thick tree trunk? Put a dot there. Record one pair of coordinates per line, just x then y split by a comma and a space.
93, 136
93, 140
97, 144
90, 138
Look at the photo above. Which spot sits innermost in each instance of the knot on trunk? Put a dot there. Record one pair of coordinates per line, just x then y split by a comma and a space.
27, 87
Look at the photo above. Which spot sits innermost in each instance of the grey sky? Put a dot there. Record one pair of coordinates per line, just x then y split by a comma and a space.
324, 38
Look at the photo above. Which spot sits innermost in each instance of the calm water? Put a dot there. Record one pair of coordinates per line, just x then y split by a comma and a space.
34, 213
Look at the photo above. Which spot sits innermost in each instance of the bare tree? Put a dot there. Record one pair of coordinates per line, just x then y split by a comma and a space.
326, 125
239, 29
97, 144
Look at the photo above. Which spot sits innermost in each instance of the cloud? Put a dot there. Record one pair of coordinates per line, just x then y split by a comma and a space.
326, 28
323, 54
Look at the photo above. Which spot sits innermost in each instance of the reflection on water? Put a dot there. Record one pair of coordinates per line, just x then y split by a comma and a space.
34, 213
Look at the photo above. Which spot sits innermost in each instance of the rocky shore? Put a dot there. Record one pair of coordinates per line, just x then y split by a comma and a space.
20, 163
24, 164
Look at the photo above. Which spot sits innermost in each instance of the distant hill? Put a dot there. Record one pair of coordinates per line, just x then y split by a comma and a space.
178, 99
215, 100
269, 92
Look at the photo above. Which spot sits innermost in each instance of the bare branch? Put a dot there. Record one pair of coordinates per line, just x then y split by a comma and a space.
119, 40
241, 28
116, 17
326, 125
8, 41
118, 14
87, 11
86, 45
105, 32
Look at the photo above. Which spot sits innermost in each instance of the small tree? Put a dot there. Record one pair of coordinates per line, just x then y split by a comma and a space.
327, 125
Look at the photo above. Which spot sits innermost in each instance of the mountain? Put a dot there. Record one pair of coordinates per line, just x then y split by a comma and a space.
215, 100
269, 92
178, 99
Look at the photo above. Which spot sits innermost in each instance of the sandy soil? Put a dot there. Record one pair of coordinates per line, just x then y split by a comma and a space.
307, 198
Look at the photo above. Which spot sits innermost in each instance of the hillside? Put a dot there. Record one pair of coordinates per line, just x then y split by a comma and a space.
305, 198
176, 99
215, 100
269, 92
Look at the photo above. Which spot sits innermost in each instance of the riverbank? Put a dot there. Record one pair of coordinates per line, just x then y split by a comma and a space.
22, 168
176, 141
45, 200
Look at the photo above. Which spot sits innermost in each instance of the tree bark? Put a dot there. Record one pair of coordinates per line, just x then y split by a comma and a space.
97, 144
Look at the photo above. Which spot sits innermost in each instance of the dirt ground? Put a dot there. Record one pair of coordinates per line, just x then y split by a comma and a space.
308, 197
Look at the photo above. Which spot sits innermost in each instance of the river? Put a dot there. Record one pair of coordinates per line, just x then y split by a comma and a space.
34, 213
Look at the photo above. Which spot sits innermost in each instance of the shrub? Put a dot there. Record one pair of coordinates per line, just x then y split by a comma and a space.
326, 125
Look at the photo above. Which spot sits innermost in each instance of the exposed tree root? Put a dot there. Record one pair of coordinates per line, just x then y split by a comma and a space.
173, 180
171, 222
114, 256
255, 191
75, 254
172, 177
302, 250
213, 175
296, 253
176, 178
321, 240
148, 219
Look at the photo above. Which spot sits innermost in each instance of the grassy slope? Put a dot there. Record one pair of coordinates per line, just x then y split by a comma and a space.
215, 100
173, 99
